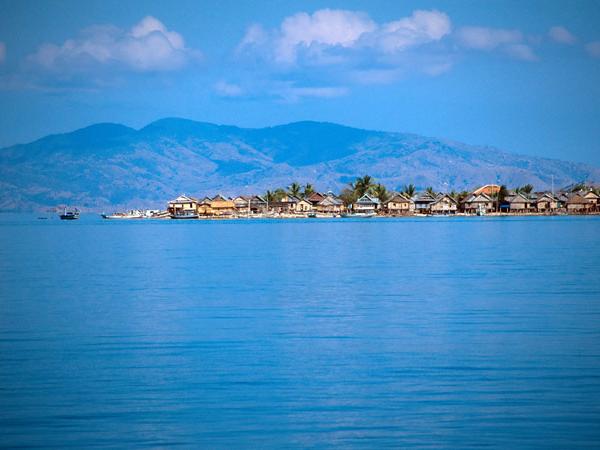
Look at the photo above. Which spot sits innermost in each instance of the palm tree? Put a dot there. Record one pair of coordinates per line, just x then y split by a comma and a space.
410, 190
270, 198
362, 185
381, 192
294, 189
430, 191
527, 189
308, 189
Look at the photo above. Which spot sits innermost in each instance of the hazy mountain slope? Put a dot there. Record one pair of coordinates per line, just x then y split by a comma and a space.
108, 166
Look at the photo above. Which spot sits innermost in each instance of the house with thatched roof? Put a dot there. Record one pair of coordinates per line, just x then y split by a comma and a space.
577, 203
399, 204
443, 204
545, 202
315, 198
222, 206
287, 204
478, 203
330, 205
517, 203
249, 204
593, 198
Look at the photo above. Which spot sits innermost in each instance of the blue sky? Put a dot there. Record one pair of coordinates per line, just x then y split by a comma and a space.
520, 75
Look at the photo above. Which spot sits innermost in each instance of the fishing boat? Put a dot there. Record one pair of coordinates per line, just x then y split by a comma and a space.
69, 214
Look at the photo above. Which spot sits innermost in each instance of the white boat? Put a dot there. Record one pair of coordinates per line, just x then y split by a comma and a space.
133, 214
358, 215
185, 215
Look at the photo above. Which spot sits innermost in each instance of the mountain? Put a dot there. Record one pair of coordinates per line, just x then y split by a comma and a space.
110, 166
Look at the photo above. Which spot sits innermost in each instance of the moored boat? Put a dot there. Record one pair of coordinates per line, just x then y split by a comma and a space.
69, 214
358, 215
185, 215
128, 215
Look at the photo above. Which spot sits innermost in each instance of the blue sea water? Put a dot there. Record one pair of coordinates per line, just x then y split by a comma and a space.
369, 333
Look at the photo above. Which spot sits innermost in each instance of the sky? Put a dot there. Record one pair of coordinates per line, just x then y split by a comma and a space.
523, 76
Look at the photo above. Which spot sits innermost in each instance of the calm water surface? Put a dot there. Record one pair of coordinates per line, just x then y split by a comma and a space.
437, 333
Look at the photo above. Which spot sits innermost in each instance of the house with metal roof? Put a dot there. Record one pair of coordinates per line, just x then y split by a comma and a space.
183, 206
366, 204
423, 202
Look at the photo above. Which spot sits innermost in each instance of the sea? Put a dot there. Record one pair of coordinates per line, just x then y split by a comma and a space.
450, 332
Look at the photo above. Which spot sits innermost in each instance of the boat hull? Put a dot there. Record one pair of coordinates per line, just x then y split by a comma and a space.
358, 215
184, 216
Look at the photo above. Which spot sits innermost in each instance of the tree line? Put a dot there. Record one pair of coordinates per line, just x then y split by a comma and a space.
368, 185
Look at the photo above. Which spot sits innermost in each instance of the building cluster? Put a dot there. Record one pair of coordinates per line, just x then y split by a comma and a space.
485, 200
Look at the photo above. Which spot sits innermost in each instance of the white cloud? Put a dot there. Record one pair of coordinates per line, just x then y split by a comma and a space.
225, 89
521, 51
325, 27
291, 93
2, 52
329, 36
482, 38
593, 48
561, 35
147, 46
508, 41
420, 28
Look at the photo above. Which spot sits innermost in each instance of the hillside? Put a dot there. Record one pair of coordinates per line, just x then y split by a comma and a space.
109, 166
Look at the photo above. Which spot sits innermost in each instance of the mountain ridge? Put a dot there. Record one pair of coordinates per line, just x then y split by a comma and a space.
109, 165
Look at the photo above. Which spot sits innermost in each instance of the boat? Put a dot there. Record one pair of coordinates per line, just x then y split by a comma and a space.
481, 210
121, 215
358, 215
69, 214
185, 215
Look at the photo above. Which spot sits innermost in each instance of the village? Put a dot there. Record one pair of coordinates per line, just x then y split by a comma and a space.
364, 198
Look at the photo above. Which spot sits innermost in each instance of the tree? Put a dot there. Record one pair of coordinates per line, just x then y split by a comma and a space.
308, 190
526, 189
348, 196
381, 192
430, 191
462, 196
278, 194
269, 197
362, 185
294, 189
500, 196
409, 190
